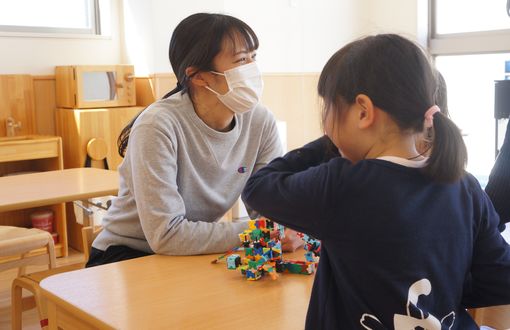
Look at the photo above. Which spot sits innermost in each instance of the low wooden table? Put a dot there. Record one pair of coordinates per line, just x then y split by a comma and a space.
52, 187
164, 292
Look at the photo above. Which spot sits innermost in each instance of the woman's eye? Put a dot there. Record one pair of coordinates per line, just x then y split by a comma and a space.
245, 58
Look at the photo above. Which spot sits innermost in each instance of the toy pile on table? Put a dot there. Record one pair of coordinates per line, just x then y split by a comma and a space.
263, 254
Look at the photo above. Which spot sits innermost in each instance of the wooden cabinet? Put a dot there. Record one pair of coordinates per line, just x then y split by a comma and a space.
78, 127
34, 153
17, 102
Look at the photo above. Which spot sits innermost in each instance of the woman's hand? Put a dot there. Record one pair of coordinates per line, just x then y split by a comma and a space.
291, 242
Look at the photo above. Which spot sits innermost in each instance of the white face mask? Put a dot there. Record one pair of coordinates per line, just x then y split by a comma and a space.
244, 88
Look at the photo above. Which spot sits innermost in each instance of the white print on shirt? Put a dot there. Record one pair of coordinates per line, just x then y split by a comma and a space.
401, 322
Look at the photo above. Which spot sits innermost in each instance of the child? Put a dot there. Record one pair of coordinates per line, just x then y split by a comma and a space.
407, 241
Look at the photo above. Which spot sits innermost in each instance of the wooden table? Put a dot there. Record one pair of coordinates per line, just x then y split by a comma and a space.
53, 187
164, 292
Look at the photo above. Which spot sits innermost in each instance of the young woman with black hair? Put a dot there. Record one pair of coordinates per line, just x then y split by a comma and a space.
191, 153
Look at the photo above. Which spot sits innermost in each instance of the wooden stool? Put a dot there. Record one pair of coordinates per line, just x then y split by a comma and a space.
17, 250
16, 243
31, 282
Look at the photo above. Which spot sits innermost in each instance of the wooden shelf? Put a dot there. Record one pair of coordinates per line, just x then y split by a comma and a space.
33, 153
77, 128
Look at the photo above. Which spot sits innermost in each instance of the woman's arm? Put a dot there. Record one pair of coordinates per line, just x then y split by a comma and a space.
161, 208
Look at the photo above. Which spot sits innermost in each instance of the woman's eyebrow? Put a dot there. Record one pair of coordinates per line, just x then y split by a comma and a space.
244, 51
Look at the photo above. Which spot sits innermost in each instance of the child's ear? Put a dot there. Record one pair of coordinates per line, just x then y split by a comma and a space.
196, 77
366, 111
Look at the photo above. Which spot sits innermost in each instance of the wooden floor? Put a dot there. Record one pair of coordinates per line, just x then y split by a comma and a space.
30, 318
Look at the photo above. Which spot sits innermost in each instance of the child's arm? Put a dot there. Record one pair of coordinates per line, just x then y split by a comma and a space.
295, 190
490, 272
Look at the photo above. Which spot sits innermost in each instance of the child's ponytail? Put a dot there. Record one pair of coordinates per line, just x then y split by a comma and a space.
448, 156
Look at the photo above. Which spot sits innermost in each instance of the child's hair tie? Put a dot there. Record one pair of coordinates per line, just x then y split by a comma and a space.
429, 116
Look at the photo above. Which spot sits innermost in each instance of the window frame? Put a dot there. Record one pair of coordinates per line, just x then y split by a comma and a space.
481, 42
94, 22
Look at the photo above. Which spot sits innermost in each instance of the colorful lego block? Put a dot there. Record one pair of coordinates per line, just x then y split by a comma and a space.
233, 261
263, 254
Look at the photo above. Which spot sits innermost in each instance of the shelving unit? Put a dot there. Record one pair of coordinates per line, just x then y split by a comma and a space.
34, 153
77, 128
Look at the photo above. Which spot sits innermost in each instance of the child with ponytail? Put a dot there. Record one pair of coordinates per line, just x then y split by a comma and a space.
408, 241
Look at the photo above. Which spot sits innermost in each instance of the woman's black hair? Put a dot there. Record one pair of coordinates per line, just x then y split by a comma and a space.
398, 77
195, 43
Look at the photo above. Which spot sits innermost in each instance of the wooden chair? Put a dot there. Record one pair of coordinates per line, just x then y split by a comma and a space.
88, 235
18, 250
497, 317
31, 282
17, 247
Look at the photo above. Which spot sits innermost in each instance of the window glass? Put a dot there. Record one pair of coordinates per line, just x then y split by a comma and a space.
470, 82
460, 16
38, 15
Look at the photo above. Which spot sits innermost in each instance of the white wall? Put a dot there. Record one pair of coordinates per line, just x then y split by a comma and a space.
298, 35
406, 17
40, 55
137, 35
166, 15
295, 35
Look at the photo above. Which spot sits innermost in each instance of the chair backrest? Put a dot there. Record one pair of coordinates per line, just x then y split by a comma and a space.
89, 234
17, 247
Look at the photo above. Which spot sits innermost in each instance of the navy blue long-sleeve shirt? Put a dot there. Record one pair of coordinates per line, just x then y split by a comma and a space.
498, 187
398, 250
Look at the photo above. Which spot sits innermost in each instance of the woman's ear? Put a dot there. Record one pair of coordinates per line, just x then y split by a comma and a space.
196, 78
366, 111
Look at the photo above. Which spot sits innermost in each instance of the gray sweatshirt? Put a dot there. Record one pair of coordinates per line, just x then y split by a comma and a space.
180, 176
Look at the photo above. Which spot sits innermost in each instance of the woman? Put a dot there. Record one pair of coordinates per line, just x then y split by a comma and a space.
191, 153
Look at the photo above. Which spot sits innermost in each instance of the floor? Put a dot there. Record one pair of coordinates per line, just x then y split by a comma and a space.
30, 318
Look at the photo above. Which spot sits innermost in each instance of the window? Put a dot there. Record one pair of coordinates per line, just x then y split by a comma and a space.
470, 40
460, 16
50, 16
470, 83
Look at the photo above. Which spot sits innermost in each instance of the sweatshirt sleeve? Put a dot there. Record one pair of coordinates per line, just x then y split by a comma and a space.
271, 146
161, 209
292, 190
489, 282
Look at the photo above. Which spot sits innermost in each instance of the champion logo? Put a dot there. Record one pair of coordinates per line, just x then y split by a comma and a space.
242, 169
